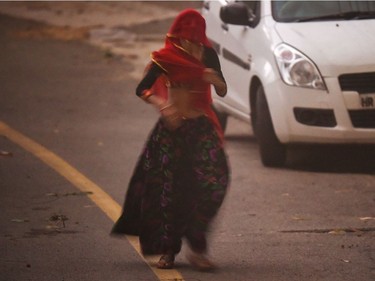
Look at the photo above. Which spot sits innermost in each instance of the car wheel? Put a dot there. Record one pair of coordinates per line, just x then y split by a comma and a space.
272, 151
222, 117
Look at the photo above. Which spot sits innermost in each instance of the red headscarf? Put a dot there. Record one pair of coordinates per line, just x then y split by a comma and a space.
179, 65
190, 25
182, 67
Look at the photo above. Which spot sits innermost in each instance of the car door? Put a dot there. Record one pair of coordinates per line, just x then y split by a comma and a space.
237, 44
211, 13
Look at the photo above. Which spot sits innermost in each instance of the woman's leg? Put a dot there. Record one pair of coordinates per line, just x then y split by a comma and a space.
156, 176
211, 177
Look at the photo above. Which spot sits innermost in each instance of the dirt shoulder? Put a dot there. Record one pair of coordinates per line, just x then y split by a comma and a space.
128, 29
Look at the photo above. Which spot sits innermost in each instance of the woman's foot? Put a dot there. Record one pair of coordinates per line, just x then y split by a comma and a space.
201, 262
166, 262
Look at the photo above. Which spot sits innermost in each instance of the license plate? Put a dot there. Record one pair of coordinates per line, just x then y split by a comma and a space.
367, 101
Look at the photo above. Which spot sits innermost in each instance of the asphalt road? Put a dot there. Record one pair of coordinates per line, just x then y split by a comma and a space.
312, 220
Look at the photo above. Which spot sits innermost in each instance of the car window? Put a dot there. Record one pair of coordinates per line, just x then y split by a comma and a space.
299, 11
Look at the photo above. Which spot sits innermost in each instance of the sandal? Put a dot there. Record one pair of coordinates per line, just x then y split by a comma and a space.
166, 262
201, 262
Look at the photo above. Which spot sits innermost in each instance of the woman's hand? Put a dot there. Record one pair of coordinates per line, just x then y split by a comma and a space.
211, 76
167, 110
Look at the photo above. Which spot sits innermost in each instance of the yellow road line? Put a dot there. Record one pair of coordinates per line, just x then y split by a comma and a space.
97, 194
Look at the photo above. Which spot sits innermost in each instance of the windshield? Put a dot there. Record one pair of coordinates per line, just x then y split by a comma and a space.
302, 11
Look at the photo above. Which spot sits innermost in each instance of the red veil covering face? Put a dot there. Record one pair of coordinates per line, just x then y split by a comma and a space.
182, 67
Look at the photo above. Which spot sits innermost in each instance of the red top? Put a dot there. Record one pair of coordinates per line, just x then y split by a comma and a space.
181, 67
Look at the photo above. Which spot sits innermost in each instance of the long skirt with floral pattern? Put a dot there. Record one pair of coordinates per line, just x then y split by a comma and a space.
178, 185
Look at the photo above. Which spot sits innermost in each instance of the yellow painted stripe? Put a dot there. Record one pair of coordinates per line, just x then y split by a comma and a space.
84, 184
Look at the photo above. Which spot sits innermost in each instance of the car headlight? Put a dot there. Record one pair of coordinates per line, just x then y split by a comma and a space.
296, 69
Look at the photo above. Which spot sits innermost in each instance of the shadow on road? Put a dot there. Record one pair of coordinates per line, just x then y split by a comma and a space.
333, 158
359, 159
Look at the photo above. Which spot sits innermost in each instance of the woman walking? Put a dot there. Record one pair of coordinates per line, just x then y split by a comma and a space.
182, 175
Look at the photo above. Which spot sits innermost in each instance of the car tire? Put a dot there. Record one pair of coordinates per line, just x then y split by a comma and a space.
272, 151
222, 117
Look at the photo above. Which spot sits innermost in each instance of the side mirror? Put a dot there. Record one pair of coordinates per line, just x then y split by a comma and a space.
237, 13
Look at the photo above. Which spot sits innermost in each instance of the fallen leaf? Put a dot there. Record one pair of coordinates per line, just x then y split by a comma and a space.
51, 194
78, 193
20, 220
299, 218
367, 218
58, 218
52, 227
6, 153
337, 232
346, 261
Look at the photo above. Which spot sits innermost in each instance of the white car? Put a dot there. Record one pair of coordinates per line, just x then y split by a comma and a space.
299, 71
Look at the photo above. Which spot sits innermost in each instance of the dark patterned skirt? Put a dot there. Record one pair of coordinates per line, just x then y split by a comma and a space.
178, 185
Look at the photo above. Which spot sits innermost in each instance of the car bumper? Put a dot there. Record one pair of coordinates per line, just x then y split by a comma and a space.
304, 115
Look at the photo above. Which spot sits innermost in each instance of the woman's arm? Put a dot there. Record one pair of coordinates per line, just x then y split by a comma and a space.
143, 89
213, 73
211, 76
167, 111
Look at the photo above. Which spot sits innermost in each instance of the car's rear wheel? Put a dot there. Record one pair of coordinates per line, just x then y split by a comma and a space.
272, 151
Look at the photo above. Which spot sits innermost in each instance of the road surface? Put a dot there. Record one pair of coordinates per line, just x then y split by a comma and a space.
70, 133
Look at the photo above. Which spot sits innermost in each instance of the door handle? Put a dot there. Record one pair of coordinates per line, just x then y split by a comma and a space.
224, 26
